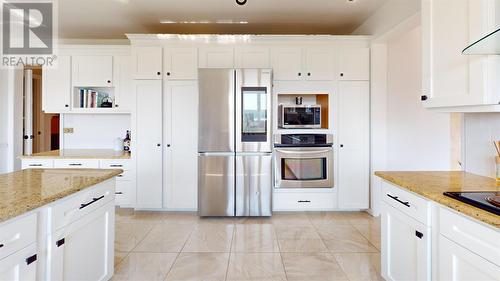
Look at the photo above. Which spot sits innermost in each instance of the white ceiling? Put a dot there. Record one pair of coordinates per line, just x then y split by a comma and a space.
103, 19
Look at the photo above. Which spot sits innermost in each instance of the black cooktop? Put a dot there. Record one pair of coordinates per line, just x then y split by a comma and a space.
487, 200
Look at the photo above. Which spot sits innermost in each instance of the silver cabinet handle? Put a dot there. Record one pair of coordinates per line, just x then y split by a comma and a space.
304, 151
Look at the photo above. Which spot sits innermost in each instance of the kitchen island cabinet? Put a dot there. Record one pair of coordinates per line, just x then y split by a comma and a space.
57, 224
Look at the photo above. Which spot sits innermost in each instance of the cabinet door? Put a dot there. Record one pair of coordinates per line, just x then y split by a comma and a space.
149, 143
354, 64
56, 86
216, 57
20, 266
147, 62
84, 250
252, 57
181, 136
318, 64
405, 247
124, 91
459, 264
181, 63
353, 130
93, 71
287, 63
450, 78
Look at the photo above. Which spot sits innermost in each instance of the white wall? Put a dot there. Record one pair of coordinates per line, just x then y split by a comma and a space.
94, 131
480, 130
388, 16
3, 121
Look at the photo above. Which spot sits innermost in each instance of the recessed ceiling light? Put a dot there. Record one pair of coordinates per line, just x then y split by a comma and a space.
241, 2
231, 22
167, 21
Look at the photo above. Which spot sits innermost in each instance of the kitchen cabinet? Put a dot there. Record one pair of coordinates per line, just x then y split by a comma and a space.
124, 94
56, 86
450, 78
181, 154
147, 62
303, 201
353, 144
83, 250
354, 64
20, 266
294, 63
252, 57
180, 63
92, 71
405, 246
216, 57
149, 143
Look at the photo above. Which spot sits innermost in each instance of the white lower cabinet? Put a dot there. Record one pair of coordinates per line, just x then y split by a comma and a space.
83, 250
303, 201
20, 266
406, 253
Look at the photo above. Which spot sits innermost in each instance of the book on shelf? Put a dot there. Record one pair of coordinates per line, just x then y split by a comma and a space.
89, 98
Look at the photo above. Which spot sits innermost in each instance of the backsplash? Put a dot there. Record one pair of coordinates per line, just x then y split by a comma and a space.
94, 131
480, 130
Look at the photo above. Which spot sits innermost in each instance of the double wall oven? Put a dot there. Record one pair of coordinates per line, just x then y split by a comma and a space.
303, 161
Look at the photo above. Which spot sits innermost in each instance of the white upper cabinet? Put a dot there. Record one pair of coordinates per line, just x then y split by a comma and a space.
124, 94
147, 62
354, 64
93, 71
450, 78
56, 86
180, 63
216, 57
293, 63
252, 57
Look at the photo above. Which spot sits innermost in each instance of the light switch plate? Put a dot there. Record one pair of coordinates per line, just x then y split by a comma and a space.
68, 130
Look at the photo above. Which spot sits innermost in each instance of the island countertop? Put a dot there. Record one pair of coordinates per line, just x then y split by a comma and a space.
431, 185
26, 190
80, 154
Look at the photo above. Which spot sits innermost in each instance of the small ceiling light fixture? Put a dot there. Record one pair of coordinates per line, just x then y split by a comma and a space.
241, 2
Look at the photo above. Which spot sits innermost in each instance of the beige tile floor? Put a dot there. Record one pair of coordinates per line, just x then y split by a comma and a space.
318, 246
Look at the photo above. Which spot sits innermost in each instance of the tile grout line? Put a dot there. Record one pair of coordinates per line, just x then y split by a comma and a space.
230, 252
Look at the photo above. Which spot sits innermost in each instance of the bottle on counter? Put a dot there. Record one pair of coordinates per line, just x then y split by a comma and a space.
126, 142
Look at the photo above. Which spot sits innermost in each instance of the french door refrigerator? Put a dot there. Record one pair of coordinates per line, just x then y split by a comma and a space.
234, 142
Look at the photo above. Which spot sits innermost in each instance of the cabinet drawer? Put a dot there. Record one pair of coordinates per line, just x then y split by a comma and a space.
17, 234
82, 203
116, 164
76, 163
474, 236
21, 266
406, 202
303, 201
37, 163
125, 193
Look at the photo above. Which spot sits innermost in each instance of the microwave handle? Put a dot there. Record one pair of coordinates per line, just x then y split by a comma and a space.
303, 151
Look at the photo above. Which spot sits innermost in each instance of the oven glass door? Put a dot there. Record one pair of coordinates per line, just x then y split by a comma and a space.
304, 167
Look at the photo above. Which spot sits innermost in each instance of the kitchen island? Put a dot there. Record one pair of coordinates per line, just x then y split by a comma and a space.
57, 224
429, 236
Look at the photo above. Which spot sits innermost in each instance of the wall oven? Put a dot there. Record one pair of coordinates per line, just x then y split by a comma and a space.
303, 161
299, 116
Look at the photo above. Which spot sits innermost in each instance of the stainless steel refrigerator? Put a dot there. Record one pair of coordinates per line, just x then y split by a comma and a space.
234, 142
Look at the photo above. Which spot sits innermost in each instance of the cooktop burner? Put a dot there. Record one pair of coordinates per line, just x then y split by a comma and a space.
487, 200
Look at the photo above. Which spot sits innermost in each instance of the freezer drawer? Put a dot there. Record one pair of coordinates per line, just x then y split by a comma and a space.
253, 184
216, 185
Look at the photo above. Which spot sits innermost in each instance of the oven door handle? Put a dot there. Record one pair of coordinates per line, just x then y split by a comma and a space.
304, 151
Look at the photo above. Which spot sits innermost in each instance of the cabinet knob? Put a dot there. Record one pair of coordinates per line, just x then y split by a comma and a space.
341, 74
341, 145
168, 145
300, 74
168, 73
158, 145
116, 105
423, 97
31, 259
158, 73
109, 81
66, 105
419, 234
60, 242
309, 74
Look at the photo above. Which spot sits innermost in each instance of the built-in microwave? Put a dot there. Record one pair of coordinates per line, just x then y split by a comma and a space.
299, 116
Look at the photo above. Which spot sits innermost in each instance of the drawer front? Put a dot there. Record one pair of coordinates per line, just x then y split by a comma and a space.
76, 163
37, 163
80, 204
406, 202
17, 234
116, 164
303, 201
471, 235
125, 193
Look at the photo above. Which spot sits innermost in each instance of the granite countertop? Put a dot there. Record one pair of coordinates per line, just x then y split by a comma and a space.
80, 153
431, 185
29, 189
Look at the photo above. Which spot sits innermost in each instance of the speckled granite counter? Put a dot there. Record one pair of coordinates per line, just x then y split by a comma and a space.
81, 154
431, 185
26, 190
